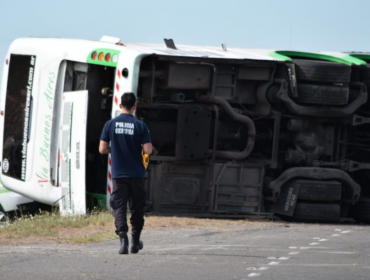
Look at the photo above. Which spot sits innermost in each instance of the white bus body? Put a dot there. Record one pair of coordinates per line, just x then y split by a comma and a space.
46, 159
235, 131
10, 201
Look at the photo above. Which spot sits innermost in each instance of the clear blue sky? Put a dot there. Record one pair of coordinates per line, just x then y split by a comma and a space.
312, 25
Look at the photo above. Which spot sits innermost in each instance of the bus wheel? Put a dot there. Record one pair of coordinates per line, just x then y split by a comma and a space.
316, 212
3, 215
322, 71
323, 94
361, 211
312, 190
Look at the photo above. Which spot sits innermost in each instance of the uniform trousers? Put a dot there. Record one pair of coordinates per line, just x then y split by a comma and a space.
132, 191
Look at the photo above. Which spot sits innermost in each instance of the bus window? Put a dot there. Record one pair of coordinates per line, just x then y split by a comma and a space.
18, 105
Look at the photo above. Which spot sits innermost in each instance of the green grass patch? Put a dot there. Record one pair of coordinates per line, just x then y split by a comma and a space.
96, 227
52, 224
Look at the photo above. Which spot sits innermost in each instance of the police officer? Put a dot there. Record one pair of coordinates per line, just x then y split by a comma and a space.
128, 137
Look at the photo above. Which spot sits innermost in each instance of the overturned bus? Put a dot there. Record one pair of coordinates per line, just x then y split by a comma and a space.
235, 131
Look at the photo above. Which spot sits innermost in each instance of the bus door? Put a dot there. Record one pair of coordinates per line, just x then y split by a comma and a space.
72, 151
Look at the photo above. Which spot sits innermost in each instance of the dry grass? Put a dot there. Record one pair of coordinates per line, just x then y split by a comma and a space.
93, 228
51, 227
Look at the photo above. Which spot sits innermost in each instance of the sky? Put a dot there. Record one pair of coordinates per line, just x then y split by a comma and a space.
314, 25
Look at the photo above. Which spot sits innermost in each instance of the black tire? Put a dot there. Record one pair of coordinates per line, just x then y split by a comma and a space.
322, 94
3, 215
316, 212
322, 71
322, 191
365, 74
361, 211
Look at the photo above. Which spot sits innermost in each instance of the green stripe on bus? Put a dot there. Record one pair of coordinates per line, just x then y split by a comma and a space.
318, 56
4, 190
365, 58
280, 56
94, 200
103, 52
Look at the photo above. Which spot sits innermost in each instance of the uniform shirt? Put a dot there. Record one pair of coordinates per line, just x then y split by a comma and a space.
126, 134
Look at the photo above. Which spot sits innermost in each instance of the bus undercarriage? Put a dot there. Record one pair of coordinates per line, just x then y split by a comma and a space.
237, 137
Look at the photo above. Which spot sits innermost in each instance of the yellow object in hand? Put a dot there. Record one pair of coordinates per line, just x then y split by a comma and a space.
145, 160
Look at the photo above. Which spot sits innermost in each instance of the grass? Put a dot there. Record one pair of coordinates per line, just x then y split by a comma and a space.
61, 228
96, 227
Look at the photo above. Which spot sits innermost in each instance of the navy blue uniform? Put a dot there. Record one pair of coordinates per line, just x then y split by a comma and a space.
127, 135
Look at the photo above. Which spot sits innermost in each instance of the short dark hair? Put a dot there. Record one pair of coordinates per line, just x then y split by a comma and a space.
128, 100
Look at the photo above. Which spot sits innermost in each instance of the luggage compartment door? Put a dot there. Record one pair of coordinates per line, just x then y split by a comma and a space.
72, 153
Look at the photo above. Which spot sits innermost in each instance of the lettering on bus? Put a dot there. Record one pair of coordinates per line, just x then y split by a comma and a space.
44, 150
27, 117
42, 180
49, 92
45, 147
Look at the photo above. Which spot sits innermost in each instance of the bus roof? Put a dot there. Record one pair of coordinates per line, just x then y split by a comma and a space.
160, 49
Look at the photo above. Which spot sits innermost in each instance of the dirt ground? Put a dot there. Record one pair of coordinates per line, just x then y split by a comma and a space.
152, 223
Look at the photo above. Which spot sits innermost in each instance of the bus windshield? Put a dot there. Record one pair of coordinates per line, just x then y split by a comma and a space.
18, 109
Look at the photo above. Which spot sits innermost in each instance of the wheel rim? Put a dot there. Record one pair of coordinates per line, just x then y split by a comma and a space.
2, 217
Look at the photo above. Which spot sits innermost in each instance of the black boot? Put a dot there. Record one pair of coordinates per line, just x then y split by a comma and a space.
124, 243
137, 244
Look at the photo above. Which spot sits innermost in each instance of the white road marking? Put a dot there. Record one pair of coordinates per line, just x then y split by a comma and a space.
272, 263
341, 253
263, 268
259, 268
337, 229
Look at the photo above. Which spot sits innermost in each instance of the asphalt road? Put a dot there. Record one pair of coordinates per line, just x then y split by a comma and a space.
259, 251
